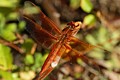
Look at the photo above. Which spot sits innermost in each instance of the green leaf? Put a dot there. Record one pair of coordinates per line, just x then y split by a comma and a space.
15, 76
80, 62
11, 27
91, 39
98, 54
89, 20
6, 58
86, 5
8, 3
5, 10
39, 60
6, 75
8, 32
12, 16
2, 22
102, 34
28, 45
8, 35
29, 59
75, 3
21, 25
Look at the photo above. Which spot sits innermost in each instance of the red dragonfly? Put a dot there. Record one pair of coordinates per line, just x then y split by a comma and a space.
47, 34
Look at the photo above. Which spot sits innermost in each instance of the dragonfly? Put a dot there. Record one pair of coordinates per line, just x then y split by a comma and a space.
47, 34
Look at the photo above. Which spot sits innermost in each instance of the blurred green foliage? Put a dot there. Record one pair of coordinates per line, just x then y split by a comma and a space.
6, 57
89, 20
27, 45
86, 5
102, 38
74, 4
25, 67
6, 75
7, 32
7, 13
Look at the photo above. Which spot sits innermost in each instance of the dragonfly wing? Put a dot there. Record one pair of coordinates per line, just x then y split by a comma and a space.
42, 29
42, 19
77, 48
80, 46
40, 35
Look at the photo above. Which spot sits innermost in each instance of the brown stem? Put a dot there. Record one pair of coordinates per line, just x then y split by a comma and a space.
10, 44
33, 48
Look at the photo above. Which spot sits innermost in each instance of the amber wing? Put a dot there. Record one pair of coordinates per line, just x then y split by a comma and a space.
40, 35
78, 49
42, 19
42, 29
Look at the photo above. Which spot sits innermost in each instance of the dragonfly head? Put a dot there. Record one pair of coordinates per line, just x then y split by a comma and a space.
74, 27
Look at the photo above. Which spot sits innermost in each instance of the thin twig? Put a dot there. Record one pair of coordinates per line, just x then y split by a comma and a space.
20, 39
33, 48
10, 44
